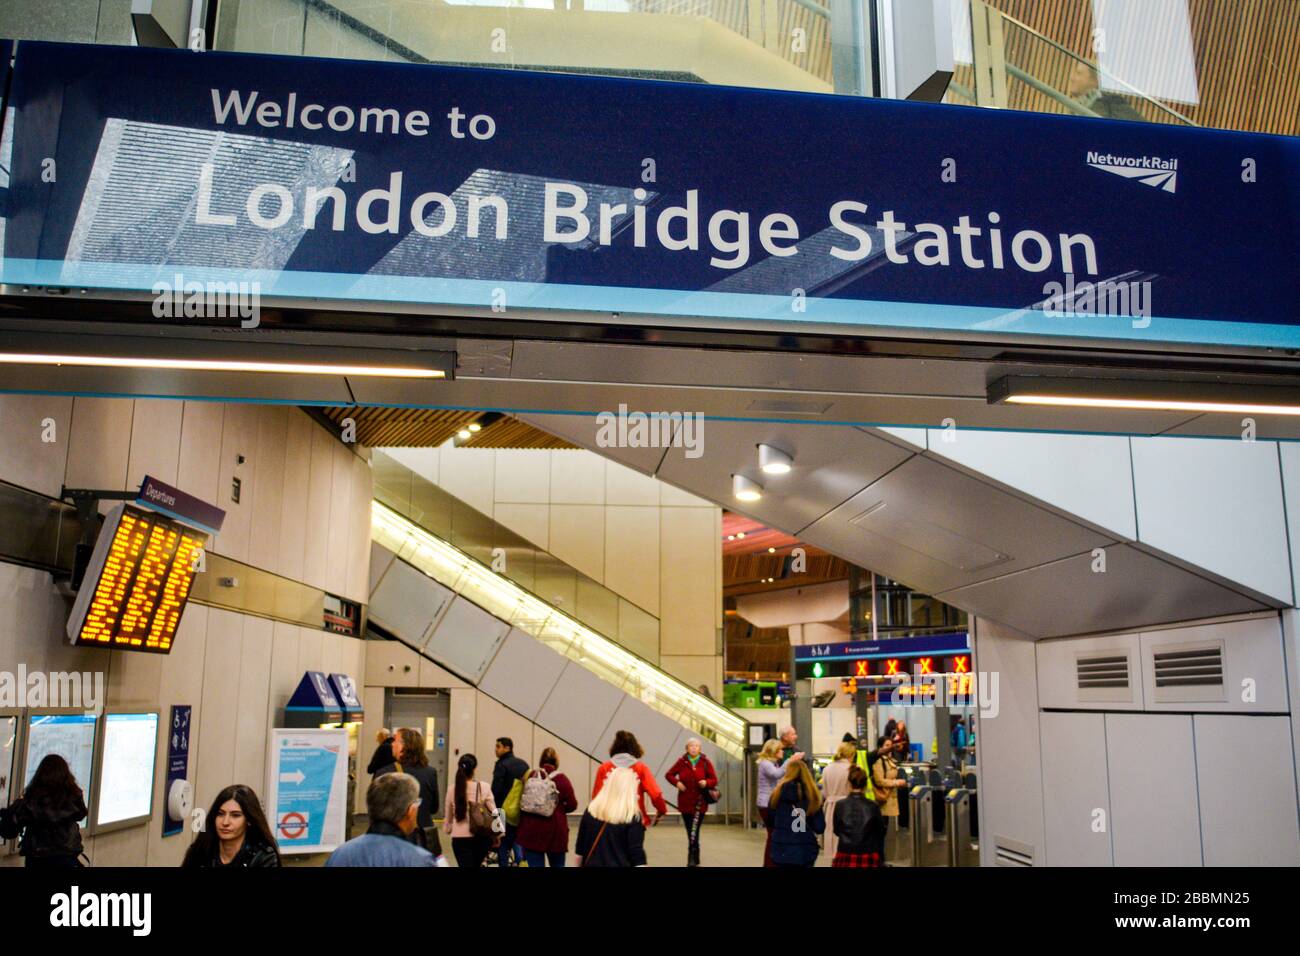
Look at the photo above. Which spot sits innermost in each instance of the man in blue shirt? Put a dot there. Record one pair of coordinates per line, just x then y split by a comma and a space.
393, 802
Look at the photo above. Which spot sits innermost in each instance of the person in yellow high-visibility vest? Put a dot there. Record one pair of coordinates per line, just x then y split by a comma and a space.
863, 759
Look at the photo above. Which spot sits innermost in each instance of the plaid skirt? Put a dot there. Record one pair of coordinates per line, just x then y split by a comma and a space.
856, 861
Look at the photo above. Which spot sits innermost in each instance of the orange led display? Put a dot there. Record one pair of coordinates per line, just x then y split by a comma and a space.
927, 665
141, 587
961, 685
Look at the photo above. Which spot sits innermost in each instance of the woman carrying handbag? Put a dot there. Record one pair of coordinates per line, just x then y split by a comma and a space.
697, 784
471, 819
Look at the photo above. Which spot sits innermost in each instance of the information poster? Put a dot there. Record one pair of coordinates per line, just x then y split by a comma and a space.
307, 788
178, 795
71, 736
126, 768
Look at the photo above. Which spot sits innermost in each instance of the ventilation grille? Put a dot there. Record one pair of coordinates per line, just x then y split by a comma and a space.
1188, 673
1198, 668
1103, 676
1011, 852
1097, 672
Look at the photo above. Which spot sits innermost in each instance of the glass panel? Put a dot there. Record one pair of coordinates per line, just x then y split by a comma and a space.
68, 21
778, 44
430, 506
392, 482
1119, 64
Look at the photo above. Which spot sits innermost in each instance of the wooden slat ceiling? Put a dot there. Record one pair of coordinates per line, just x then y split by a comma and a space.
508, 432
753, 552
1247, 55
402, 427
758, 652
429, 427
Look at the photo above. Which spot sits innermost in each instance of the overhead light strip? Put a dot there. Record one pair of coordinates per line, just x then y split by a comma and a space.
220, 365
1081, 401
1147, 395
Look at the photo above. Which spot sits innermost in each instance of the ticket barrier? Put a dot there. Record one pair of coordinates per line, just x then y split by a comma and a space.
927, 820
969, 782
963, 847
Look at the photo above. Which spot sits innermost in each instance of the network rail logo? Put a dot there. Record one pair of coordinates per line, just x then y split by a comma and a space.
1148, 170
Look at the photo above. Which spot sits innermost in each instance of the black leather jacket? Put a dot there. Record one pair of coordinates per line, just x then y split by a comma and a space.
50, 825
250, 855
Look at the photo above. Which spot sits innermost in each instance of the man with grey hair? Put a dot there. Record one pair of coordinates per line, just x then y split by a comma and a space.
393, 802
790, 737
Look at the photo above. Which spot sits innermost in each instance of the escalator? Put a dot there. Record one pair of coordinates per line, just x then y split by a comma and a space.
529, 656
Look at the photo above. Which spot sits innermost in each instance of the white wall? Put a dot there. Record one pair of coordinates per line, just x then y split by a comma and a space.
1135, 780
1009, 752
235, 670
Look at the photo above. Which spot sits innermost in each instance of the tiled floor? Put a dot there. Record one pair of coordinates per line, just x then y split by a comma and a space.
665, 845
719, 845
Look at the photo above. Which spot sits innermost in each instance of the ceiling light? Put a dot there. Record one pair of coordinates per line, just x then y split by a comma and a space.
741, 534
475, 426
218, 365
731, 537
463, 434
745, 489
773, 461
771, 550
1184, 396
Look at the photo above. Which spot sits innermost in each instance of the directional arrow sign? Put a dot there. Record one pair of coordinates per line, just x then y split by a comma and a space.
296, 777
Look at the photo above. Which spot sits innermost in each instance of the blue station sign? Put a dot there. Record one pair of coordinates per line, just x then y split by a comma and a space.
900, 647
365, 182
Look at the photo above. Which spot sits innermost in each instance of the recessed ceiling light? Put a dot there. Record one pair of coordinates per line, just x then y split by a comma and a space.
740, 534
475, 426
771, 550
463, 434
745, 489
773, 461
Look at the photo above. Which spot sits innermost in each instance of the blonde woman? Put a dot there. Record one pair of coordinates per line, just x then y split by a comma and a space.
835, 785
771, 766
796, 819
611, 832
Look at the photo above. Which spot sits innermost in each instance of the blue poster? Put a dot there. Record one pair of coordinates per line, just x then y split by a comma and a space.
178, 794
307, 781
368, 182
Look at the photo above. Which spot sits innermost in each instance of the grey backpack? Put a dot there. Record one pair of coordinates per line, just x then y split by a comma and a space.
540, 795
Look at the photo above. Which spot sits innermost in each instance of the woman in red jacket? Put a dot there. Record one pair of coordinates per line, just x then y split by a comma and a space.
546, 839
626, 752
694, 777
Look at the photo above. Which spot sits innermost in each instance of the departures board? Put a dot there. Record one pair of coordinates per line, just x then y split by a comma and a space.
137, 582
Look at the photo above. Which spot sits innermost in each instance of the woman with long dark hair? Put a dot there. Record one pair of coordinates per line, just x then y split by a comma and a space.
469, 807
409, 757
48, 815
235, 833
